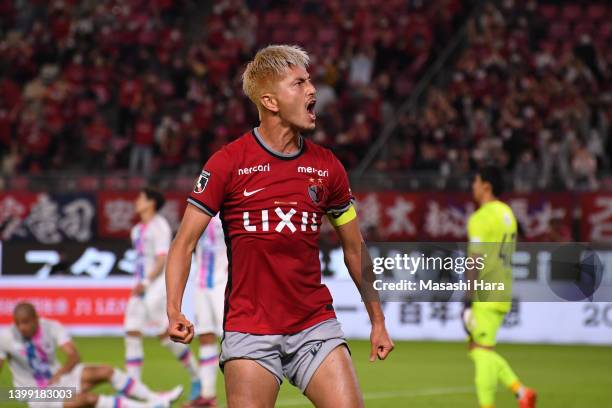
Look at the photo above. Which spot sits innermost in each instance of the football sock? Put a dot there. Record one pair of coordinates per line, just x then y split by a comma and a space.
209, 361
518, 389
107, 401
133, 356
130, 386
506, 375
183, 354
491, 367
485, 377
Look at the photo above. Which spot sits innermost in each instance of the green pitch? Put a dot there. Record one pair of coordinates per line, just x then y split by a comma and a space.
417, 375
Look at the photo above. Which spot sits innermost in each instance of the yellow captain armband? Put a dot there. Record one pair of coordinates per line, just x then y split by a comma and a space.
340, 218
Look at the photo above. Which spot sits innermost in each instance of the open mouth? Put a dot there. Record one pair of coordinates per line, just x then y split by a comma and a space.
310, 109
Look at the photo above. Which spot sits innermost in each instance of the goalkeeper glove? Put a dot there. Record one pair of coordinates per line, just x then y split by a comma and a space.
467, 316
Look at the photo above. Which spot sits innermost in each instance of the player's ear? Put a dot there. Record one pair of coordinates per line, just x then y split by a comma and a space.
269, 102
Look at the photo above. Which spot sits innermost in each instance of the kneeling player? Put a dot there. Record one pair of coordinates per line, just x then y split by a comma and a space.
29, 345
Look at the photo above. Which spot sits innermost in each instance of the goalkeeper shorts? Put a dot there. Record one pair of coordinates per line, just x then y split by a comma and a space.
485, 324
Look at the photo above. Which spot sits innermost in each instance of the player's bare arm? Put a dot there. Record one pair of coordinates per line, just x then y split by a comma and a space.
471, 275
177, 271
352, 245
72, 359
156, 270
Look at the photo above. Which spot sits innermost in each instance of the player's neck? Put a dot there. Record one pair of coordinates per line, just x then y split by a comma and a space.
146, 216
488, 199
278, 137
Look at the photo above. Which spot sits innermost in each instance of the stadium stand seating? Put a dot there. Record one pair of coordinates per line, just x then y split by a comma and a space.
130, 85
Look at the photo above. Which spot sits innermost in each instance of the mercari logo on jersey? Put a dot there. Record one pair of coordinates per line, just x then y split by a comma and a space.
254, 169
312, 170
280, 220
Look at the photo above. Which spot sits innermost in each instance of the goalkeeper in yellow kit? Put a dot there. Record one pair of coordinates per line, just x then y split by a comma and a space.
492, 235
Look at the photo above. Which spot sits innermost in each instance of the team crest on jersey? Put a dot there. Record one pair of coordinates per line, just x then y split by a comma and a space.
201, 182
316, 190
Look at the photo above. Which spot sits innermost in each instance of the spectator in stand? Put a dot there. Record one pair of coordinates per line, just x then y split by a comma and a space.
10, 161
97, 137
35, 141
584, 167
130, 97
427, 160
5, 129
326, 94
360, 67
171, 141
456, 167
554, 154
143, 141
526, 172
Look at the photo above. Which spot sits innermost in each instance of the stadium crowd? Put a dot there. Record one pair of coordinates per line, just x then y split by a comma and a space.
532, 91
155, 85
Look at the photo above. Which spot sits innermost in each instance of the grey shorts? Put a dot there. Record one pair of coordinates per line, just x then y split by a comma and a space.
295, 356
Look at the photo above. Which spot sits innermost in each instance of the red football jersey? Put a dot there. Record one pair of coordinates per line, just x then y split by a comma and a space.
271, 208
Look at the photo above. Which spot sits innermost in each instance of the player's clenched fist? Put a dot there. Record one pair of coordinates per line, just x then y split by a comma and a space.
180, 329
382, 344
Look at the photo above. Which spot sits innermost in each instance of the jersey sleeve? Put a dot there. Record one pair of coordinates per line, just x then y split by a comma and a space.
59, 333
3, 345
162, 238
218, 234
477, 234
476, 229
340, 208
133, 235
210, 187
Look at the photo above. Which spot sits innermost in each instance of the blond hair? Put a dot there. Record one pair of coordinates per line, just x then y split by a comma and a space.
271, 63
